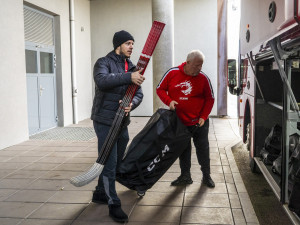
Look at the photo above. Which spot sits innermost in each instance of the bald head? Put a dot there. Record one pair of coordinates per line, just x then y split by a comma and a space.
195, 54
194, 63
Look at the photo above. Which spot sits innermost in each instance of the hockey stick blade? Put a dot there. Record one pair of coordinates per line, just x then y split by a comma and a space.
88, 176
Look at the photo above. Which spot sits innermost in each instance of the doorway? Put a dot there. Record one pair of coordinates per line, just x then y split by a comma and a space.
40, 71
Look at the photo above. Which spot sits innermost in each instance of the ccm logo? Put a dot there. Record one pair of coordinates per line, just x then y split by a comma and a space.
157, 158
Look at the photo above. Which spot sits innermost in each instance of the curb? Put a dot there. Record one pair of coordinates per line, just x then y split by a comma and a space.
245, 214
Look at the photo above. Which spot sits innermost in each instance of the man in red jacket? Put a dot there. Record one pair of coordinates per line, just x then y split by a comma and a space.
189, 91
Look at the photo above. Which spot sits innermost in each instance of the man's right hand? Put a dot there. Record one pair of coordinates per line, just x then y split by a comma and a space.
173, 105
137, 78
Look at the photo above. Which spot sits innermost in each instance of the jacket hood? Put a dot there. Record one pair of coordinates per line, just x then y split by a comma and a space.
116, 57
180, 67
120, 58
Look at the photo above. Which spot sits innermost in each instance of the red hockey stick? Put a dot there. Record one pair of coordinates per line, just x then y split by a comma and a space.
96, 169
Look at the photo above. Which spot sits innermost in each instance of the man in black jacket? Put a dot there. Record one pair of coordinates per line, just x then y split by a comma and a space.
113, 74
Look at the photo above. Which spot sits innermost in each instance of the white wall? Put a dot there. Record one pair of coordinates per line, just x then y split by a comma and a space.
13, 110
13, 90
134, 16
233, 31
83, 58
196, 27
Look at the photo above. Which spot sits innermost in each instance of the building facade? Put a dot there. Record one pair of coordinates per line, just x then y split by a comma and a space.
48, 49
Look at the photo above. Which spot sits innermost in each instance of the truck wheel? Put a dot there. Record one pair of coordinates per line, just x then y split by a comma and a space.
253, 166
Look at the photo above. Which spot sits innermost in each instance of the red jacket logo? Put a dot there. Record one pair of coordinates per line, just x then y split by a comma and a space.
187, 85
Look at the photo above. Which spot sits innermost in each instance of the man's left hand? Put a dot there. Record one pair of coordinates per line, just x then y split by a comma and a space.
201, 122
127, 109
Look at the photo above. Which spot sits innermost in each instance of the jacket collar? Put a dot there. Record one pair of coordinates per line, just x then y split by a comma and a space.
116, 57
120, 59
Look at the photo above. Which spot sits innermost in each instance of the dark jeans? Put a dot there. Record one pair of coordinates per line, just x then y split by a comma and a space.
200, 139
106, 181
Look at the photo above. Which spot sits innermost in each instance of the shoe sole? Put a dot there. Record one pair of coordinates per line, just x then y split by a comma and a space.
182, 184
207, 185
100, 202
118, 220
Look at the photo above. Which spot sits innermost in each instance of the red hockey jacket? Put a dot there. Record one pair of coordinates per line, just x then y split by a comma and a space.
194, 94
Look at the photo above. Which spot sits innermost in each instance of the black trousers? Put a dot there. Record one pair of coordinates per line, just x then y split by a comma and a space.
200, 139
106, 181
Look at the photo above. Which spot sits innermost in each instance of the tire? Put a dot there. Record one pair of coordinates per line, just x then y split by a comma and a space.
253, 166
141, 193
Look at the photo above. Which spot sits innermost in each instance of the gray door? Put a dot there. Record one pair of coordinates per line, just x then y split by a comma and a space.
40, 70
41, 88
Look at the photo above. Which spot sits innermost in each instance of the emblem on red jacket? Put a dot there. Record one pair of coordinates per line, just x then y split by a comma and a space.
186, 86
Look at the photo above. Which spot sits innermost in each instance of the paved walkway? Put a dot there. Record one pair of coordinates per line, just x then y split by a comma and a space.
35, 188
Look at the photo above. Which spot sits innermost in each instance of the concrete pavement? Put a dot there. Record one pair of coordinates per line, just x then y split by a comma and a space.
35, 188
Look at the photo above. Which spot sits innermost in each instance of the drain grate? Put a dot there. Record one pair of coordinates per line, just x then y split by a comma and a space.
66, 133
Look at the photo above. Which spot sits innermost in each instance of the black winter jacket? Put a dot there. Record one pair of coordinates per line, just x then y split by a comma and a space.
111, 83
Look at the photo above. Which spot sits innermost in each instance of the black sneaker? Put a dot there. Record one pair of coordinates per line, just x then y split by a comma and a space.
99, 197
182, 180
208, 181
117, 214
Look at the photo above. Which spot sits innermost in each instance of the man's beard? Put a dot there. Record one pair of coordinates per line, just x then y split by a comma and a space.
123, 55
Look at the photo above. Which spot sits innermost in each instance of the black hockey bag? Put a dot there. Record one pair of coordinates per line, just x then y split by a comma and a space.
294, 202
153, 150
267, 157
293, 149
273, 140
